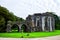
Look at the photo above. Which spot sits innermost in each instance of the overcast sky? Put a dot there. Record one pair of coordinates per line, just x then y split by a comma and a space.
22, 8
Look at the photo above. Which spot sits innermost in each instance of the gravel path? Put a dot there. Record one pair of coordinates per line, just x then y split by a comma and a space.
45, 38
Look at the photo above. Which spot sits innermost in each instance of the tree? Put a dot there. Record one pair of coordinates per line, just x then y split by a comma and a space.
2, 22
5, 16
11, 16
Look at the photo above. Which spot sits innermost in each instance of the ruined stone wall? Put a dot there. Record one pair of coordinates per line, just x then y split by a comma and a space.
46, 24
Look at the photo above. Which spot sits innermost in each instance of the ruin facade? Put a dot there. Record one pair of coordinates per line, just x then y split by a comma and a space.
41, 22
37, 22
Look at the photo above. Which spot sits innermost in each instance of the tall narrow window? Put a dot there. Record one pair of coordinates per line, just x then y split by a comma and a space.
37, 22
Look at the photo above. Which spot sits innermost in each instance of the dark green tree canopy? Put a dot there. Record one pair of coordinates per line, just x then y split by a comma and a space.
5, 16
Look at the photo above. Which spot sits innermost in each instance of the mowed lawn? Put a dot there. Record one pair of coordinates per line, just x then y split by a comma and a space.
31, 35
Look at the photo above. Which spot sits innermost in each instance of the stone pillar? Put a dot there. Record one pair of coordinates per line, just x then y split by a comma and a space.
20, 28
50, 24
8, 28
32, 22
43, 23
36, 22
9, 25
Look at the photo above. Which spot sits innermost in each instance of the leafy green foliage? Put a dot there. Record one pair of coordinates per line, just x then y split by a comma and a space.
6, 16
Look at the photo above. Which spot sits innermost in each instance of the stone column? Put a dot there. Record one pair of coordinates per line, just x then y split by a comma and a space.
20, 28
8, 28
43, 23
9, 25
50, 24
36, 22
37, 19
32, 22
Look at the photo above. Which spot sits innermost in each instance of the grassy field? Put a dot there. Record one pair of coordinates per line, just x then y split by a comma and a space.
31, 35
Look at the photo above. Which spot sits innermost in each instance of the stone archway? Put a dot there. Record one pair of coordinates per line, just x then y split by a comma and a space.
24, 28
12, 24
15, 27
20, 27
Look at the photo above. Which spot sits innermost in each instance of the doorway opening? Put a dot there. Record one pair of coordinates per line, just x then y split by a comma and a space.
24, 28
15, 28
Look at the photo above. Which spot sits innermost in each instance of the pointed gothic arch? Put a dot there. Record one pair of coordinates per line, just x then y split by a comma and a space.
15, 27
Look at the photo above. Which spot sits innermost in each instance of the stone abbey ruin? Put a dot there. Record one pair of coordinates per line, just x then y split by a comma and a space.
37, 22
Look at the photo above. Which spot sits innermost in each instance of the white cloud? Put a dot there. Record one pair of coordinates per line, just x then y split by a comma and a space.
23, 8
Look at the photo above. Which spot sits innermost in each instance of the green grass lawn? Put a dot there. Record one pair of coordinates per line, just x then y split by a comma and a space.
31, 35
